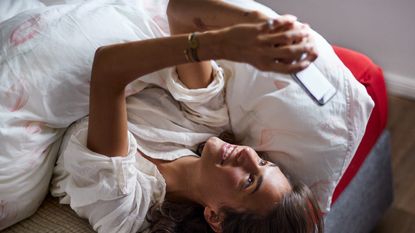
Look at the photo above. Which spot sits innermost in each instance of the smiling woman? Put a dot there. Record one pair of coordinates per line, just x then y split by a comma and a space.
112, 173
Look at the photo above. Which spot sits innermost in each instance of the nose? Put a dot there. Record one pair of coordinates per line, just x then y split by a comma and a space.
248, 160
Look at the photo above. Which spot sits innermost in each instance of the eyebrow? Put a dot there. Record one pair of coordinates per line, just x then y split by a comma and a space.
261, 179
258, 184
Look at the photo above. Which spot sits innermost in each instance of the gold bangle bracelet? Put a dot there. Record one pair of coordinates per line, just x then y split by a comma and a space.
193, 46
186, 55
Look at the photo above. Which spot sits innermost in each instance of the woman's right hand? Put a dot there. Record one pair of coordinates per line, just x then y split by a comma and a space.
282, 45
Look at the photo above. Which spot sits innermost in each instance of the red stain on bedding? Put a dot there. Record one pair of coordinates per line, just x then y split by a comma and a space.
25, 31
16, 96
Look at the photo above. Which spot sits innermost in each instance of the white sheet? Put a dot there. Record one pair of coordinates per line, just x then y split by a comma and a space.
10, 8
45, 62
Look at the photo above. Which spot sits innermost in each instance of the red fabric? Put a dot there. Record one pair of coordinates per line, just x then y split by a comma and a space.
371, 76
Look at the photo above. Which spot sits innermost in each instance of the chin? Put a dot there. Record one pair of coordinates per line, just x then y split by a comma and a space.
212, 148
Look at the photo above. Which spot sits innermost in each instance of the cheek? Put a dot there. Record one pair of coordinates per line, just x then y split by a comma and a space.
231, 178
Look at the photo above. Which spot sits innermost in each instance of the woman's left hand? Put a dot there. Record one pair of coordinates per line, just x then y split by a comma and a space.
289, 41
281, 45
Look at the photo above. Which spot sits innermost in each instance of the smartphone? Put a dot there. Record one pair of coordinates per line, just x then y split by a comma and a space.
315, 84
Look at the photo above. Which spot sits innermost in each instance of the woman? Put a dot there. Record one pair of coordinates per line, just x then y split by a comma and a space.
229, 188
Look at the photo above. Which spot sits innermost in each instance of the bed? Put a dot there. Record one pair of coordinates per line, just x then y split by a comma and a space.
360, 198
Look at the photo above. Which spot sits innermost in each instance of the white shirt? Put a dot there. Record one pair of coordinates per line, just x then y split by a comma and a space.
115, 193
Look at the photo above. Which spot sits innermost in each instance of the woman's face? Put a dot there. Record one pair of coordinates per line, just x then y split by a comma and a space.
236, 177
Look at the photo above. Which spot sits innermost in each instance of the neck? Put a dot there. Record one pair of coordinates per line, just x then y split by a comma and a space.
181, 179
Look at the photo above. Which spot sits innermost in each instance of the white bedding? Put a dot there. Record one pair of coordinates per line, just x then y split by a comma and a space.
10, 8
45, 59
45, 62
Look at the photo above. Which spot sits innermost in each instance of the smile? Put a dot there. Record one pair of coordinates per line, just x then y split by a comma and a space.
227, 150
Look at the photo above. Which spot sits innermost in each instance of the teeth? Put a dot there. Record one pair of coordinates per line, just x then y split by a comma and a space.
226, 151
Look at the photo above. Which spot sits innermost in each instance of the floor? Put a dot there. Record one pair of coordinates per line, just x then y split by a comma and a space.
401, 216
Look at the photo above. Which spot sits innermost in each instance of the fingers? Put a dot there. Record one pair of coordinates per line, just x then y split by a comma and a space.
278, 24
297, 33
280, 45
289, 59
283, 38
292, 53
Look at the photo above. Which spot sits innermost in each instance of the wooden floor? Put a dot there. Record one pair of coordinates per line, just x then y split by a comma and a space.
401, 216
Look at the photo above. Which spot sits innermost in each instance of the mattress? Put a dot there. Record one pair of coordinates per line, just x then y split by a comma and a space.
371, 76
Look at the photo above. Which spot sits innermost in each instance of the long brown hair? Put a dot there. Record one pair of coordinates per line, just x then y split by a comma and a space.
297, 212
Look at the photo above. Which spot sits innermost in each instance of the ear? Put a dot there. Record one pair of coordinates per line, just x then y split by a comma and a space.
214, 219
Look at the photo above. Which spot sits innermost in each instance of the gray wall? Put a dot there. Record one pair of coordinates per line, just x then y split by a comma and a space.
382, 29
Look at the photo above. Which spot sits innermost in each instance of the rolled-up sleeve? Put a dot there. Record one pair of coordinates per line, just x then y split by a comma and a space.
111, 192
203, 105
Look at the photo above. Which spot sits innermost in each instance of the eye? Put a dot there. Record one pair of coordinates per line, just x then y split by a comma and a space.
263, 162
249, 181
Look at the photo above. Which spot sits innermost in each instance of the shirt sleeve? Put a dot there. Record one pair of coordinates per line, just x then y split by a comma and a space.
203, 105
111, 192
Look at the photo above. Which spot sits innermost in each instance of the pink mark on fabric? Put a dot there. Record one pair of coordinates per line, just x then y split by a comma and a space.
16, 96
280, 84
266, 137
8, 212
34, 127
25, 31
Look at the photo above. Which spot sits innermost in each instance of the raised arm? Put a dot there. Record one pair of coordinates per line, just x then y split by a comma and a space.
186, 16
190, 16
117, 65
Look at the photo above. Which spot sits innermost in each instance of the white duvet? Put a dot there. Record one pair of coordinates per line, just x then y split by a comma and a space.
45, 64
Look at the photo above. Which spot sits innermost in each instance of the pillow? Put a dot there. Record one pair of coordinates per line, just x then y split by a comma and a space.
273, 114
46, 57
10, 8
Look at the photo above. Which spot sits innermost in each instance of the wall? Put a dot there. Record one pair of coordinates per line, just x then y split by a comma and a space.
382, 29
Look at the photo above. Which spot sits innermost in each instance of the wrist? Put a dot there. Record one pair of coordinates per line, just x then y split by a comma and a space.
210, 45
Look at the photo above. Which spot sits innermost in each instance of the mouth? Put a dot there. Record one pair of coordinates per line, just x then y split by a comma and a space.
227, 150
